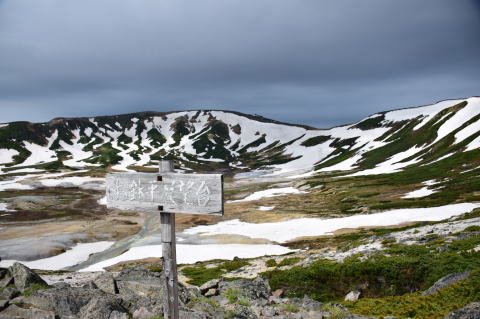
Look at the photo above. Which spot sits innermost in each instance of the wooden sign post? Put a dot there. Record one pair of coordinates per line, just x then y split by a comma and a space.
168, 193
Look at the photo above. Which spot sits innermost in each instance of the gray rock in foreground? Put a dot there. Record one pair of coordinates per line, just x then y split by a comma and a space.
471, 311
23, 277
138, 293
446, 281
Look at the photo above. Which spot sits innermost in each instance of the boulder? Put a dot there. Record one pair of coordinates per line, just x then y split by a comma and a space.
106, 282
209, 285
65, 302
471, 311
3, 304
107, 307
9, 293
191, 314
211, 292
15, 312
311, 305
24, 277
353, 295
139, 304
6, 279
251, 289
278, 293
143, 313
445, 282
141, 282
243, 312
3, 272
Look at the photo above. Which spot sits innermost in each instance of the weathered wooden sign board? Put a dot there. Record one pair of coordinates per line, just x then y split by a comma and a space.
168, 193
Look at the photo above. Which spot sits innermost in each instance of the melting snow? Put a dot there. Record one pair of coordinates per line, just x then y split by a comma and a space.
71, 257
269, 193
422, 192
301, 227
6, 155
265, 208
189, 254
73, 180
393, 164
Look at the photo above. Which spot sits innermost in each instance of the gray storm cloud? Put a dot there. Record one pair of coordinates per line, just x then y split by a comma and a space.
320, 63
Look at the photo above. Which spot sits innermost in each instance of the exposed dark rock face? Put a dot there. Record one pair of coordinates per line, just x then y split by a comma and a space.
446, 281
471, 311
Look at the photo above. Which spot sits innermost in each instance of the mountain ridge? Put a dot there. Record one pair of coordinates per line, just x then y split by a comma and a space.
230, 140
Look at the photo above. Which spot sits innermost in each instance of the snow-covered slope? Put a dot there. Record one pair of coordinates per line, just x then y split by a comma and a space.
382, 143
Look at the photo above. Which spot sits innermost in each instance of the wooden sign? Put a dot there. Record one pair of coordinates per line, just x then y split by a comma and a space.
167, 192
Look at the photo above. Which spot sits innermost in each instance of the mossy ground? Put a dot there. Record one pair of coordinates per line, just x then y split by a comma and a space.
200, 274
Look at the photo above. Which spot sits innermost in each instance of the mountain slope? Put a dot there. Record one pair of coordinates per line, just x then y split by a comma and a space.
382, 143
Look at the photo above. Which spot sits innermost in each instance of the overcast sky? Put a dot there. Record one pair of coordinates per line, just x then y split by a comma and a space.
315, 62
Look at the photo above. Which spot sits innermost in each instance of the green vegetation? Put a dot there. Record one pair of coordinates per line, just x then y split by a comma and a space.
156, 268
156, 138
414, 305
105, 154
290, 307
370, 123
335, 312
271, 263
235, 296
33, 288
472, 228
399, 270
289, 261
203, 300
200, 274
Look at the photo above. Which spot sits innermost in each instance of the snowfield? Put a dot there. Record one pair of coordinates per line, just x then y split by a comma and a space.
273, 192
294, 228
189, 254
70, 258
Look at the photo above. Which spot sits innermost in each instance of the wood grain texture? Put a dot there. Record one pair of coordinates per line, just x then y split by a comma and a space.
172, 192
169, 253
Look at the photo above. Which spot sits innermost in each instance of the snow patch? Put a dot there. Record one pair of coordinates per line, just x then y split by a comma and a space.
422, 192
265, 208
189, 254
269, 193
71, 257
301, 227
6, 155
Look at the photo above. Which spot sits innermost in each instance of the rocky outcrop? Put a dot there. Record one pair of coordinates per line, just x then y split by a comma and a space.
446, 281
23, 277
138, 293
15, 312
20, 276
471, 311
108, 307
251, 289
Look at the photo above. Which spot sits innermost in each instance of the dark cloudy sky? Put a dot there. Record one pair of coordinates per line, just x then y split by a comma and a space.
317, 62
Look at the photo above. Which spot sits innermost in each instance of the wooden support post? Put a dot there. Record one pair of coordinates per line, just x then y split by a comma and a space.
169, 254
